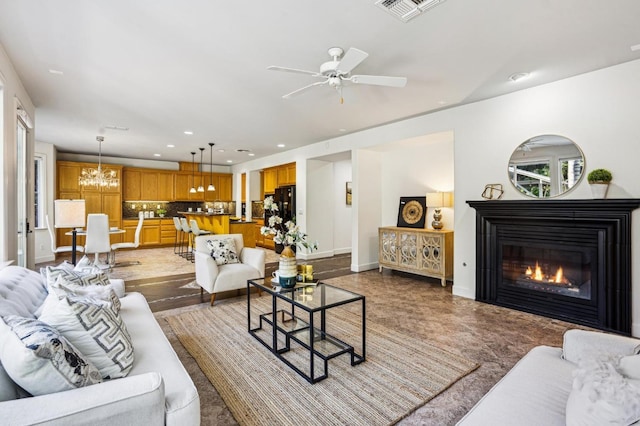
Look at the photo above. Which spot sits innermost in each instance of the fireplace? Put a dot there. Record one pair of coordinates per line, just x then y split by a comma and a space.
564, 259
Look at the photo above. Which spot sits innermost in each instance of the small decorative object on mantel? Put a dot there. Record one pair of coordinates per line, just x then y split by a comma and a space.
411, 213
287, 234
599, 180
492, 191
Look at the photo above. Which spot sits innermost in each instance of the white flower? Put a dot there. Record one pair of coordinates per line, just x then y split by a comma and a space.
287, 233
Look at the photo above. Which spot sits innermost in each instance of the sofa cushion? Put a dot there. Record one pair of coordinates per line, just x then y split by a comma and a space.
182, 401
518, 398
40, 360
223, 250
8, 388
601, 395
22, 291
95, 328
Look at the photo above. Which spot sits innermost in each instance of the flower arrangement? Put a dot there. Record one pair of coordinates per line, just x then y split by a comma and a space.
285, 233
161, 212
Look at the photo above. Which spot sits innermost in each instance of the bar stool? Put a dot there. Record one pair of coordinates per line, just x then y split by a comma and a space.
177, 245
187, 254
195, 232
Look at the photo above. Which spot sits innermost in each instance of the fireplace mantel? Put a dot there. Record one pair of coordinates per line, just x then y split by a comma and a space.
608, 221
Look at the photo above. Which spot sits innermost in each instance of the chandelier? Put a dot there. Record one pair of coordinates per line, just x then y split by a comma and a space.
99, 178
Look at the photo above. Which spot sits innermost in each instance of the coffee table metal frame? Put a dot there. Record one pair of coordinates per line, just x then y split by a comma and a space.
294, 328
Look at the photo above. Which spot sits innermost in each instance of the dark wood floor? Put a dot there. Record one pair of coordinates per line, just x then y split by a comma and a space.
179, 290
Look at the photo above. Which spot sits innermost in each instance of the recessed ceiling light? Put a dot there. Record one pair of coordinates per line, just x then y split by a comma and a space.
229, 161
157, 155
518, 76
635, 47
342, 130
171, 146
56, 72
281, 145
221, 150
188, 132
251, 154
442, 102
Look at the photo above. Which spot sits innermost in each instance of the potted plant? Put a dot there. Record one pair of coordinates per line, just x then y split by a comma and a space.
599, 180
161, 212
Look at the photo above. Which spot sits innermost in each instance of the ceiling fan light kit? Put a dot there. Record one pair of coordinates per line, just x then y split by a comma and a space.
338, 70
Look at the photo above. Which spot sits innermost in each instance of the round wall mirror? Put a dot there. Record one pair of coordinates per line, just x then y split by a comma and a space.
546, 166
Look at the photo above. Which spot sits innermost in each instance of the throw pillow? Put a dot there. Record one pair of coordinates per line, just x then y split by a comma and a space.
95, 328
223, 251
630, 366
601, 395
63, 287
40, 360
78, 277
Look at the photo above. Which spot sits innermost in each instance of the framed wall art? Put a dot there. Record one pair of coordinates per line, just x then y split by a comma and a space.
349, 191
412, 212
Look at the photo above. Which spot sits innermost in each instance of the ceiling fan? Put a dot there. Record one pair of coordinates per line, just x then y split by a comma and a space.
338, 70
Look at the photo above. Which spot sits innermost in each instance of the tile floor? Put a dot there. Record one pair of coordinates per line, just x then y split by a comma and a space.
492, 336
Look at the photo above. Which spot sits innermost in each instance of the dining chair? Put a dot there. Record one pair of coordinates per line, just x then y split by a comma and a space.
136, 242
97, 239
52, 236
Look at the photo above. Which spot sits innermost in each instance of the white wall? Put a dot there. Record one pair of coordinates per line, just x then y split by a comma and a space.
13, 92
320, 206
42, 246
597, 110
342, 213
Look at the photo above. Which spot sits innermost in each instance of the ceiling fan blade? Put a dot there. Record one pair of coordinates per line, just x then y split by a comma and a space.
379, 80
297, 71
302, 89
351, 59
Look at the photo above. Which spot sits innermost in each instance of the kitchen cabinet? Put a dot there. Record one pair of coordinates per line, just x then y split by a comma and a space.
226, 187
287, 174
183, 183
149, 235
131, 185
419, 251
270, 180
165, 186
97, 200
149, 190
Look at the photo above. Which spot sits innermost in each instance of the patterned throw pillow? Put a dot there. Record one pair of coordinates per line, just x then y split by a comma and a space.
63, 287
40, 360
77, 277
223, 251
95, 328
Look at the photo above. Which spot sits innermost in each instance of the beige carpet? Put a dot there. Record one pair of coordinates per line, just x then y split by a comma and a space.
400, 374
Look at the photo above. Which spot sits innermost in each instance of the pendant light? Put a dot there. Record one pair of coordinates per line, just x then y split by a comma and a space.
211, 187
193, 179
201, 188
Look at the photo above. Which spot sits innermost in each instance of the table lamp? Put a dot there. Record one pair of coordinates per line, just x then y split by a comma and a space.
70, 214
437, 200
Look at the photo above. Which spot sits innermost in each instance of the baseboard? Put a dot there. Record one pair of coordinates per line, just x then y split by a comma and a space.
42, 259
466, 292
343, 250
314, 255
364, 267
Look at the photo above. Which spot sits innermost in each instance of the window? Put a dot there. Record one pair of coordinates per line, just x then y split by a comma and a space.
40, 192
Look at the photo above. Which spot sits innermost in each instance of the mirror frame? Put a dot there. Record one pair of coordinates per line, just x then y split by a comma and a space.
549, 151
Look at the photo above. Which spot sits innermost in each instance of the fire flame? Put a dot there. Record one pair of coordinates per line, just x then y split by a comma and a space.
537, 275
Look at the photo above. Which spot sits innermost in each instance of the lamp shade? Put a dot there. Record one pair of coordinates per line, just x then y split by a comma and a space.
439, 199
69, 213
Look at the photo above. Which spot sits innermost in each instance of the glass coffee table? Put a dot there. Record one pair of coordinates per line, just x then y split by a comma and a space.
299, 316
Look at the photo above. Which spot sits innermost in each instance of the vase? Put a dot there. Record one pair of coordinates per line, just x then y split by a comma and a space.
599, 190
287, 268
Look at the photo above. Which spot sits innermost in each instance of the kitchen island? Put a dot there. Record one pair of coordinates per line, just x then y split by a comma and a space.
222, 223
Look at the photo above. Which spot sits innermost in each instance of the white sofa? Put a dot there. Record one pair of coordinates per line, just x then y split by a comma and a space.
157, 391
216, 278
537, 389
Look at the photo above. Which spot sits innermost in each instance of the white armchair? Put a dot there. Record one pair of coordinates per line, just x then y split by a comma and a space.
216, 278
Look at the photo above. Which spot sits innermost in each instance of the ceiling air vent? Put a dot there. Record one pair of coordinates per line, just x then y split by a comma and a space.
405, 10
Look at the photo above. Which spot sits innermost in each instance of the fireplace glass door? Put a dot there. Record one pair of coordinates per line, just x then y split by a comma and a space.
549, 268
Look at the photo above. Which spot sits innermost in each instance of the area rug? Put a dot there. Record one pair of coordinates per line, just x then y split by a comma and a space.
400, 374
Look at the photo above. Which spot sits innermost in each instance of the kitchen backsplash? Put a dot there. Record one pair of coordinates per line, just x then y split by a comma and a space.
132, 209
